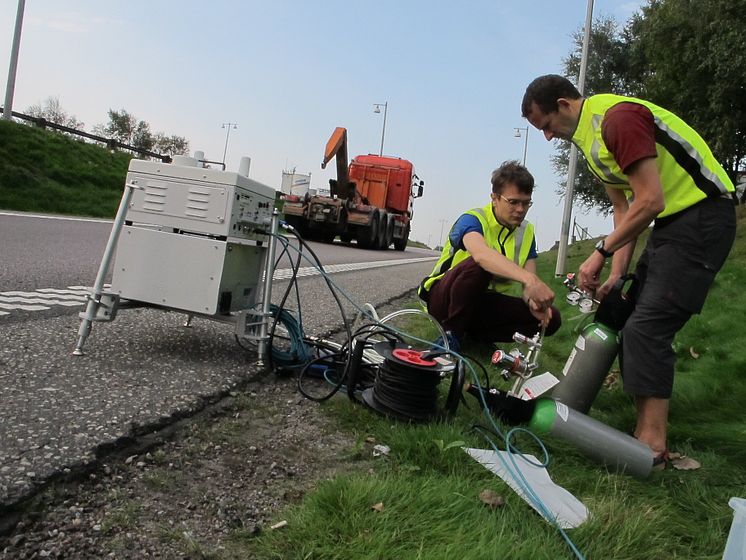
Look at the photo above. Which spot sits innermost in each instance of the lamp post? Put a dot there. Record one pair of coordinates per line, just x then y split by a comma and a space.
518, 130
572, 164
227, 135
10, 89
377, 109
440, 239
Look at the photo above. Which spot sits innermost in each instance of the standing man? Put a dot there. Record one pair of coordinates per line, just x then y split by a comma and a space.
655, 168
488, 251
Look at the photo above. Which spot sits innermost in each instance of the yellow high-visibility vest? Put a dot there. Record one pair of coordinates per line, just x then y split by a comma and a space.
688, 170
515, 244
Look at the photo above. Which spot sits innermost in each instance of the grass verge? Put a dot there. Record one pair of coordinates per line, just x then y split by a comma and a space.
426, 490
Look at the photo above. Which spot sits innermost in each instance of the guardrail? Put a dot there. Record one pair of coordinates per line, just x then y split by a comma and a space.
111, 143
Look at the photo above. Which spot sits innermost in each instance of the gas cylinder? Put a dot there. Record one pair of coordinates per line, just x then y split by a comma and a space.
596, 347
613, 448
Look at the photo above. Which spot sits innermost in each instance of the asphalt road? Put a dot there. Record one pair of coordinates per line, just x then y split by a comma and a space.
59, 413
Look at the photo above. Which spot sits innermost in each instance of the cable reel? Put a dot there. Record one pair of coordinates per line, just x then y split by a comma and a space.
406, 386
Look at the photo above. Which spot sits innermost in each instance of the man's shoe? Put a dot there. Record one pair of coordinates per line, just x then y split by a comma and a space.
453, 343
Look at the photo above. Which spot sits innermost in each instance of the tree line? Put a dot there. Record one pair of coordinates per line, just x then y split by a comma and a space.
122, 126
688, 56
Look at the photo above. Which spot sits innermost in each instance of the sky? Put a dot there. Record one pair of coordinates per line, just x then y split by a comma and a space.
287, 72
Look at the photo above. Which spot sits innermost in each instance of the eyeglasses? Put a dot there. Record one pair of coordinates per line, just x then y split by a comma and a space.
515, 203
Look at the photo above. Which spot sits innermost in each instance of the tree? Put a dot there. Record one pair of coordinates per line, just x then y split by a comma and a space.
121, 126
171, 145
51, 111
610, 70
141, 136
688, 56
125, 128
697, 54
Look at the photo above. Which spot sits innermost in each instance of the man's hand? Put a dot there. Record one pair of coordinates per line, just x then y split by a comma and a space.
606, 286
589, 272
542, 315
537, 295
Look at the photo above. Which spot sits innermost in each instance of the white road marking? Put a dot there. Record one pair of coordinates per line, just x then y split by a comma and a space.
50, 217
43, 298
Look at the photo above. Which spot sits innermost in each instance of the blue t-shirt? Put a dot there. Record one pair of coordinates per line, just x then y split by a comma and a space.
467, 223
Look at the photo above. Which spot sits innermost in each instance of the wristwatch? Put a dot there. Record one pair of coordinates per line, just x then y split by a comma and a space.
600, 248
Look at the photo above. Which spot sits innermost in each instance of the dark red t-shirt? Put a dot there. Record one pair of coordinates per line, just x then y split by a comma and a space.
628, 132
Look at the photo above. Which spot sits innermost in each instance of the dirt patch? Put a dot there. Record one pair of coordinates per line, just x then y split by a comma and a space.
227, 469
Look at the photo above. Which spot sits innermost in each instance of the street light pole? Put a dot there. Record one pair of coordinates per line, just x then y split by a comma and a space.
10, 89
518, 130
377, 109
559, 269
227, 135
440, 239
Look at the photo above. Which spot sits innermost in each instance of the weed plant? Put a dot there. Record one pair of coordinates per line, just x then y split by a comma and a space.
421, 500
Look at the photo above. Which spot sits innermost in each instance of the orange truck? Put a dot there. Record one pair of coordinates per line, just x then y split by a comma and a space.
370, 201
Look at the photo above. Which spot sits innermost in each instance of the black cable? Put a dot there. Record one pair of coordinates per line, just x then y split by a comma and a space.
355, 380
406, 391
487, 385
295, 266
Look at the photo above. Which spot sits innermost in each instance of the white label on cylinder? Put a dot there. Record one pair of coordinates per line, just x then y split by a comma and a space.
563, 411
569, 361
600, 334
580, 343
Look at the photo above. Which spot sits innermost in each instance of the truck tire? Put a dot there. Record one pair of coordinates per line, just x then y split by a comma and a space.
327, 236
383, 226
390, 231
299, 224
367, 235
401, 244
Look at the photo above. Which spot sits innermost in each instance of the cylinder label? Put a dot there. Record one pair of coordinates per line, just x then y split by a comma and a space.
563, 411
600, 334
570, 358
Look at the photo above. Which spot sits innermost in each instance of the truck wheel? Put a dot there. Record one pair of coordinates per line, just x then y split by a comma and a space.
401, 244
383, 223
390, 231
327, 236
367, 235
299, 224
345, 237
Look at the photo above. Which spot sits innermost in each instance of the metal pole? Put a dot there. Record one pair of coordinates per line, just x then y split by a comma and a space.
518, 134
383, 131
227, 135
572, 164
269, 271
9, 90
525, 148
94, 299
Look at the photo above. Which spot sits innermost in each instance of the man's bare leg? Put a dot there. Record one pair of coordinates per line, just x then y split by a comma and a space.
652, 422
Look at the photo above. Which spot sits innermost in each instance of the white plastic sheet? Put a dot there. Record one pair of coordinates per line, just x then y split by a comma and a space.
566, 509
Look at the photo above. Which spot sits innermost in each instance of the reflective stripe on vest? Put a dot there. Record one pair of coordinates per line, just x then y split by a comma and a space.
515, 247
689, 172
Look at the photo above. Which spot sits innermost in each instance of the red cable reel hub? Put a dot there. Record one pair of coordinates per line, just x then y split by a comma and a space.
413, 357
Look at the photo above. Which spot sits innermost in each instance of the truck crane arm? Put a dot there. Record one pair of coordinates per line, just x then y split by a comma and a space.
337, 146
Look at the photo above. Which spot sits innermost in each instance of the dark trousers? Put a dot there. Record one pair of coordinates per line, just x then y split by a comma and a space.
461, 304
683, 254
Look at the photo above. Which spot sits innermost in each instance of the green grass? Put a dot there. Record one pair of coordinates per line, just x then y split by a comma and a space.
429, 490
44, 171
428, 487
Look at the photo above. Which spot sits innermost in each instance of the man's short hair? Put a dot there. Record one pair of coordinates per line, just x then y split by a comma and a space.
545, 91
514, 173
